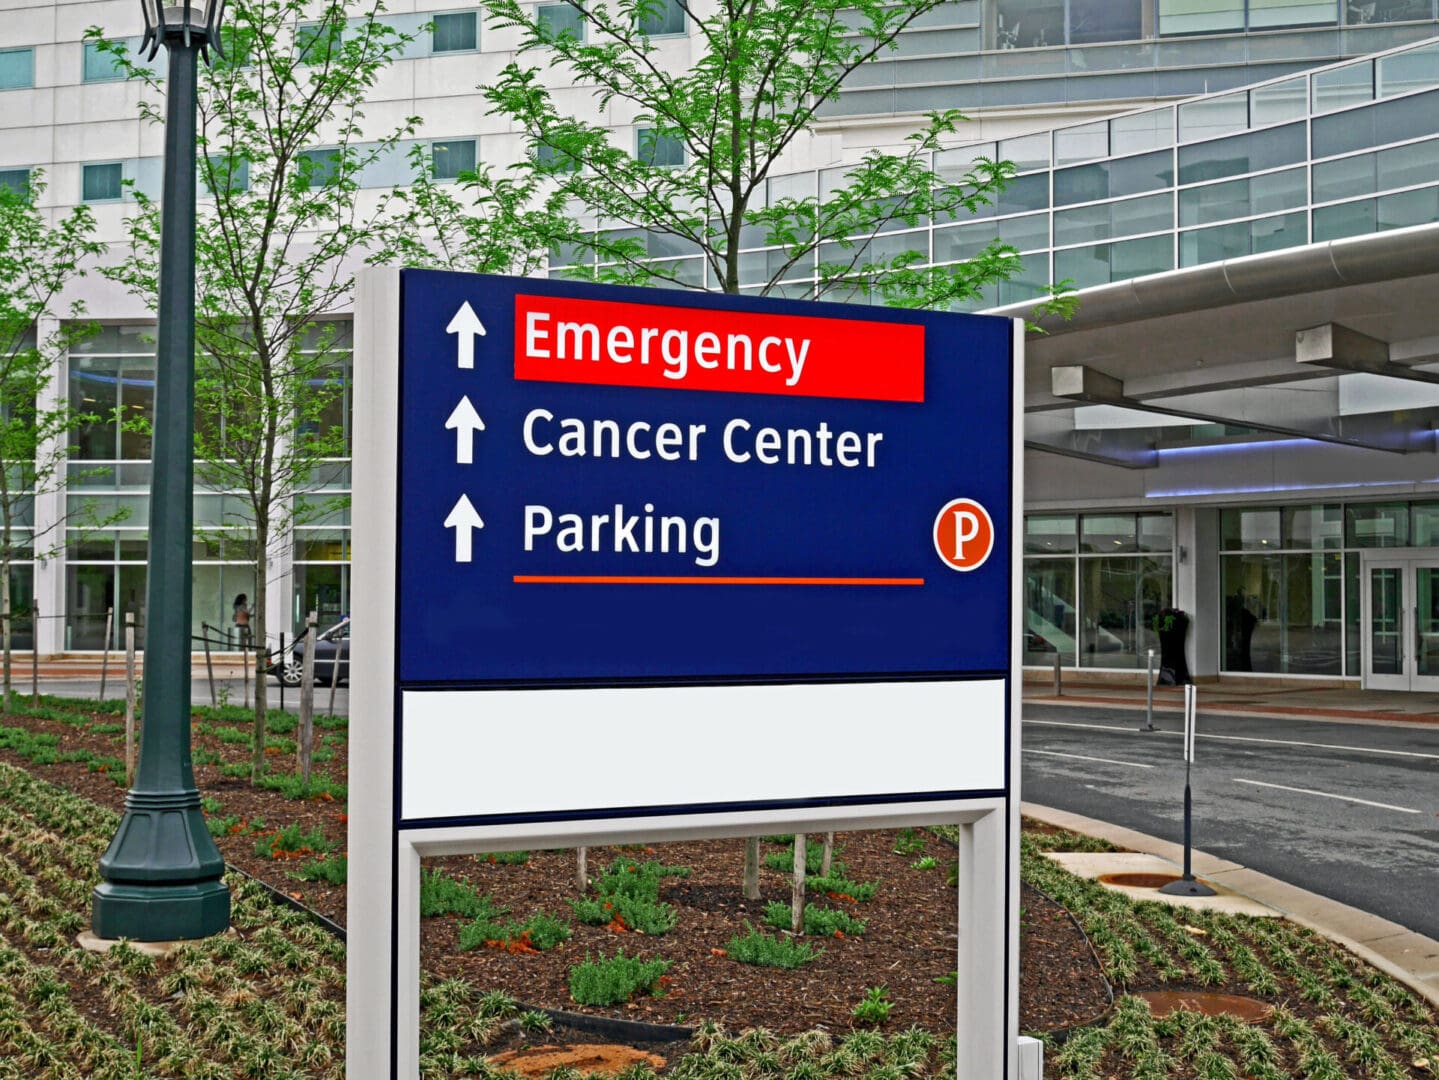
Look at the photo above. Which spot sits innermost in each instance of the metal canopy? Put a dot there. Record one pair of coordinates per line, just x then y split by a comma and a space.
1273, 343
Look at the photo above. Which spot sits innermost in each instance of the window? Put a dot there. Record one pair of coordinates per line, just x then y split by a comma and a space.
558, 20
658, 150
449, 159
1200, 16
99, 183
456, 31
100, 66
314, 42
1032, 24
231, 174
320, 167
17, 68
554, 160
15, 180
661, 17
1269, 14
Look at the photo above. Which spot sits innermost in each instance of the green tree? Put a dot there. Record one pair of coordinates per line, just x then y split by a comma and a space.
39, 261
711, 136
705, 173
282, 224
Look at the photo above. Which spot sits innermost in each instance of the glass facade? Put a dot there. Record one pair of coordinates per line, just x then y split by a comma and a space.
1092, 586
112, 381
1291, 589
1344, 150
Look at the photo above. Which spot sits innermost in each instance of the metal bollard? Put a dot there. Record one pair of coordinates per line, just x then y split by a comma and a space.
1149, 694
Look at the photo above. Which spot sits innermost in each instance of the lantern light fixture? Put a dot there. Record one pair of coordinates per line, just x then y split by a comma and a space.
197, 24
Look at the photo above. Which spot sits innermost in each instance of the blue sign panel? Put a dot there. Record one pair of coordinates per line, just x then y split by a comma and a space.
605, 485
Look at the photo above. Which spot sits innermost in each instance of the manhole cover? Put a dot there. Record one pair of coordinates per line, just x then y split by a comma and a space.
538, 1061
1138, 881
1164, 1002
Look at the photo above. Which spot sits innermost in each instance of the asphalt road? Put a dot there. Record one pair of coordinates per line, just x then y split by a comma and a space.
199, 692
1346, 810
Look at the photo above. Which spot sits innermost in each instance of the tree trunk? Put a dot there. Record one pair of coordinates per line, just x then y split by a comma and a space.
796, 895
582, 877
257, 637
751, 868
5, 631
305, 741
826, 859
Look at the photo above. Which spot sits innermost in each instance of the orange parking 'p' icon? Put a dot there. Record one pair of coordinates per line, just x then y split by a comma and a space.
963, 534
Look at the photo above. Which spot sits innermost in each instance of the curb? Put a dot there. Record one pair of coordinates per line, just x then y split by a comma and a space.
1370, 937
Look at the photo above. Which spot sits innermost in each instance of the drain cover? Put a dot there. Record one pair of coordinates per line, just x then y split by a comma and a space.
1164, 1002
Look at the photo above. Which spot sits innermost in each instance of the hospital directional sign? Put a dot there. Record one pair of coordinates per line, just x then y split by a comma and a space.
608, 486
643, 565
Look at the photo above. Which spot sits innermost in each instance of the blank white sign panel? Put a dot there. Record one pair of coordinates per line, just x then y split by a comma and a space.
469, 753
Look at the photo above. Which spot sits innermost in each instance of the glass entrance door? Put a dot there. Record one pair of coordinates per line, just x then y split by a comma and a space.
1400, 611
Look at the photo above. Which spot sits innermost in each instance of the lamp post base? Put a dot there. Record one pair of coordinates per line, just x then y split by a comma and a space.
160, 912
1187, 887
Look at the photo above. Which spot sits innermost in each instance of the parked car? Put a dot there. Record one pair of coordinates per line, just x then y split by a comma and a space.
331, 644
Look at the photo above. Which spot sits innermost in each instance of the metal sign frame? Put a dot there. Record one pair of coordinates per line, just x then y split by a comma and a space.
383, 959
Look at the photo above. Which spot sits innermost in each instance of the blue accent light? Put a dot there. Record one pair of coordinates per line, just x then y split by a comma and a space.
1262, 489
1224, 448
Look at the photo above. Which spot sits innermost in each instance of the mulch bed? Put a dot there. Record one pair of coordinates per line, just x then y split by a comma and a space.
908, 948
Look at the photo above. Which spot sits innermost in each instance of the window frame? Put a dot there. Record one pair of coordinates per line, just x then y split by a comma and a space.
474, 17
29, 80
85, 168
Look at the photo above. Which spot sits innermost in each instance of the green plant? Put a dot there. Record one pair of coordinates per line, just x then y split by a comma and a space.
333, 870
615, 979
535, 1022
925, 862
874, 1007
838, 886
821, 921
293, 786
223, 826
628, 898
539, 933
441, 894
293, 842
757, 947
505, 858
908, 842
783, 861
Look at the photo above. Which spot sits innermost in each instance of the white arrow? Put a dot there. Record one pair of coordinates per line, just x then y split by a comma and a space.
465, 422
467, 324
463, 519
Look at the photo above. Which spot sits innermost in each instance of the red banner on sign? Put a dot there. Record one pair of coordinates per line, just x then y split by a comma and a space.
563, 339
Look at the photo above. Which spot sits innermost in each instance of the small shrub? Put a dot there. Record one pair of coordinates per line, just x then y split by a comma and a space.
840, 887
821, 921
616, 979
908, 842
783, 861
629, 898
757, 947
293, 842
505, 858
293, 786
441, 894
223, 826
333, 870
874, 1007
925, 862
539, 933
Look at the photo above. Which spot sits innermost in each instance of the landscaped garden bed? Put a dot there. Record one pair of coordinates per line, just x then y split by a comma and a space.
662, 935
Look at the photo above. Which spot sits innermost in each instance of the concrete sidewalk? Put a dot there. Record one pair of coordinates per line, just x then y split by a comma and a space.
1238, 698
1411, 958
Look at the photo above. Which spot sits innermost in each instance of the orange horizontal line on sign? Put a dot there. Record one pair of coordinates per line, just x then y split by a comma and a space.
700, 579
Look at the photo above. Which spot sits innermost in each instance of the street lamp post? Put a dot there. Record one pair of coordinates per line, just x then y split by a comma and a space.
162, 877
